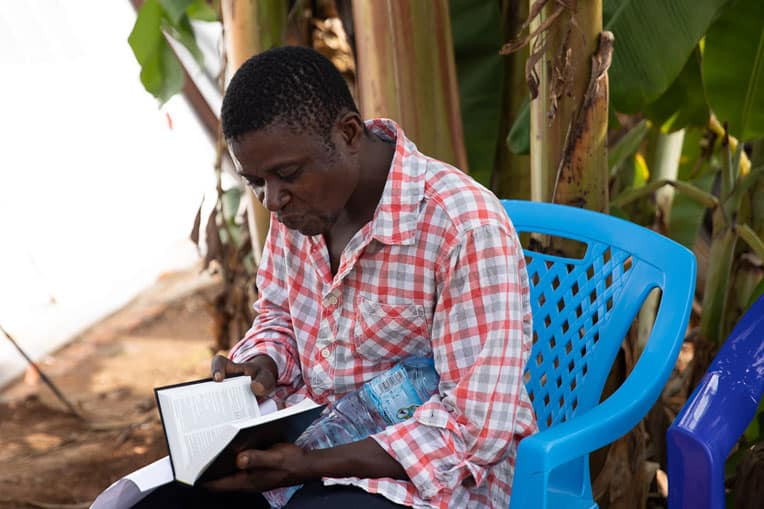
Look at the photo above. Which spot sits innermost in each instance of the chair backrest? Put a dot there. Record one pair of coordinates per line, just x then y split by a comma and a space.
715, 416
582, 308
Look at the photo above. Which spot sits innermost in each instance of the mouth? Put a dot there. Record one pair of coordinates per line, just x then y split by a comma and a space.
302, 224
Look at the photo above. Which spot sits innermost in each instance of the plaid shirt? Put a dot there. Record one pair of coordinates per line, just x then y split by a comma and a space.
439, 272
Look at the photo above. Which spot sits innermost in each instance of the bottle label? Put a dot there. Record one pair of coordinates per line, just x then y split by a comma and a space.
394, 395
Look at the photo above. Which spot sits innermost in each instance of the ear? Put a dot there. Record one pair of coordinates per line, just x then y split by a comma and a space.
351, 129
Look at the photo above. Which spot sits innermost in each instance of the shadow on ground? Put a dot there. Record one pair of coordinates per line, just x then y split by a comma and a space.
52, 459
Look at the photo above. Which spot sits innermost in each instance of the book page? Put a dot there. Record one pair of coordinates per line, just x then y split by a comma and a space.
270, 413
194, 414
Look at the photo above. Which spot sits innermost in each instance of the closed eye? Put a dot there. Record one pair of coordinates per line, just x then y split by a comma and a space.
254, 181
289, 173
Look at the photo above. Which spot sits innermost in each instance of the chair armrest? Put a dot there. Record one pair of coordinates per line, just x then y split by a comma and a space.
614, 417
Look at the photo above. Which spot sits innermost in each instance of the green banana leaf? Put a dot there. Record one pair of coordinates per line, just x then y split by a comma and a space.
684, 103
653, 40
175, 9
519, 137
161, 73
476, 29
686, 213
733, 68
626, 147
757, 292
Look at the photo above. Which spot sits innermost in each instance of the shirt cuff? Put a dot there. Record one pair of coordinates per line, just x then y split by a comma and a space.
431, 450
288, 371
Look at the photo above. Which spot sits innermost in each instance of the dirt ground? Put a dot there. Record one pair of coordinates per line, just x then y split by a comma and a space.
50, 458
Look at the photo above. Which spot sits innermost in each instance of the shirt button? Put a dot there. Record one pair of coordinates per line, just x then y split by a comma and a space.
325, 353
331, 299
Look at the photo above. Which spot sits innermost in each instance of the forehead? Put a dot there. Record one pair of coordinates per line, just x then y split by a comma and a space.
274, 146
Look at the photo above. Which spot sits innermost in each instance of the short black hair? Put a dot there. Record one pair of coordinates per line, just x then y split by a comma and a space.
294, 85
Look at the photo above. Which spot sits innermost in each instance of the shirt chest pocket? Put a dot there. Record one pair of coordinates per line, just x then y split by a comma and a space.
390, 331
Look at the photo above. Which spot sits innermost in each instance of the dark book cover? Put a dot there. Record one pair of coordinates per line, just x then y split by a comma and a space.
260, 436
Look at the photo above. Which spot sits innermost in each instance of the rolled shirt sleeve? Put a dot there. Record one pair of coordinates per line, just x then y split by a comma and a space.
272, 333
481, 341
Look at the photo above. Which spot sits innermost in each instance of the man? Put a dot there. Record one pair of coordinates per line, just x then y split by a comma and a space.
375, 253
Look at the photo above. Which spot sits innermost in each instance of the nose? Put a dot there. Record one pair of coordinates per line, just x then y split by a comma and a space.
273, 196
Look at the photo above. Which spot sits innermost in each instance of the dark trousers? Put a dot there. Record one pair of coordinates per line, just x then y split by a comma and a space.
311, 496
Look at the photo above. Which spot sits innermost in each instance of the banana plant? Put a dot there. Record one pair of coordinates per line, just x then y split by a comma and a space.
161, 72
726, 230
411, 79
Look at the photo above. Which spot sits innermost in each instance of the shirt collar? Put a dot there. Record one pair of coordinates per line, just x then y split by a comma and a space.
395, 219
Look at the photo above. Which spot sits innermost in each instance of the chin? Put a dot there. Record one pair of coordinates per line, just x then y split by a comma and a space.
307, 225
309, 232
311, 227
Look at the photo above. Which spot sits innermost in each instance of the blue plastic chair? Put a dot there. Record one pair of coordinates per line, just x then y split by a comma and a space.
716, 415
582, 309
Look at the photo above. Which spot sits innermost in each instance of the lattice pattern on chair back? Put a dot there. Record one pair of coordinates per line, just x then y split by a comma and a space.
571, 300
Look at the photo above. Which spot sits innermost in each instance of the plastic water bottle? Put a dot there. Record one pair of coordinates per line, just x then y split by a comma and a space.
386, 399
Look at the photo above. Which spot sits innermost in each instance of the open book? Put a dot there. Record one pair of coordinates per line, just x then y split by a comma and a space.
208, 423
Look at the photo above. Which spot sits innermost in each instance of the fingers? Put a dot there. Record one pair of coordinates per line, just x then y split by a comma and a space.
263, 372
246, 459
254, 458
223, 366
263, 382
240, 481
262, 369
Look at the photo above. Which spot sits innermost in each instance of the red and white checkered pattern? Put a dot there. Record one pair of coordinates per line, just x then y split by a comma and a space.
439, 272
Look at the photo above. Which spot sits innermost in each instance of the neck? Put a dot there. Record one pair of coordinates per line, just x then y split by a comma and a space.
376, 157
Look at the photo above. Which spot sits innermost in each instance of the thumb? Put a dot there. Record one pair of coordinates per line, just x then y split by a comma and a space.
223, 366
263, 382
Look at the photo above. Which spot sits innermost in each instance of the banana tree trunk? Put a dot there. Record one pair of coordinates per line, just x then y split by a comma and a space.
569, 166
406, 71
253, 26
665, 165
569, 116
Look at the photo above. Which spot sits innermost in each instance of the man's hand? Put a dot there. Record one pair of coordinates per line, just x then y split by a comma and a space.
287, 465
261, 368
262, 470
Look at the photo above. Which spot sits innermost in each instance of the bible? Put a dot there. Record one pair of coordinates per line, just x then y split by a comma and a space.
206, 424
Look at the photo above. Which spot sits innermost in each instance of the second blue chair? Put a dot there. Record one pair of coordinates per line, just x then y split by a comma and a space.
715, 416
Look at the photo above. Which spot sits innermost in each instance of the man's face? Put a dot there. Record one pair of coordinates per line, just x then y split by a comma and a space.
296, 176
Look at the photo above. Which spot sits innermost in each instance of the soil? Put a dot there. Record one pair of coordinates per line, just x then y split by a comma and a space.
50, 458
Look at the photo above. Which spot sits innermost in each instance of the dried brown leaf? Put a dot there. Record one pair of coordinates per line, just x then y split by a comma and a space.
519, 43
194, 235
531, 76
214, 244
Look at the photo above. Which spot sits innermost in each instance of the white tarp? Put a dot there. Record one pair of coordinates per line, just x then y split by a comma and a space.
98, 186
